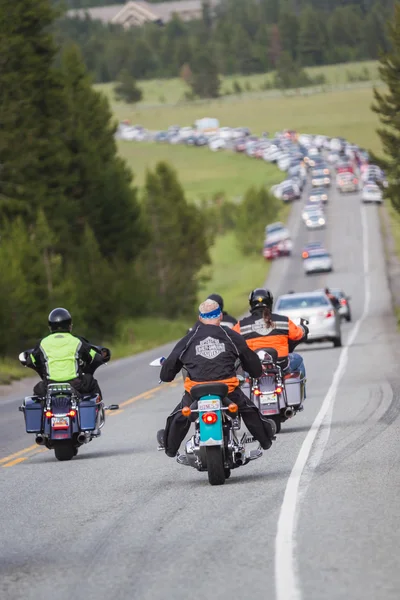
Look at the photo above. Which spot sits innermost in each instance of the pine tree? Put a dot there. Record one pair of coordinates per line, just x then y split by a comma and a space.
178, 247
257, 209
99, 180
387, 106
205, 81
127, 89
32, 154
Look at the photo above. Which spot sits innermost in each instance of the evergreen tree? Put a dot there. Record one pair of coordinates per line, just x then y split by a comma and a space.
387, 106
256, 210
127, 89
178, 246
205, 81
312, 37
289, 32
32, 154
100, 182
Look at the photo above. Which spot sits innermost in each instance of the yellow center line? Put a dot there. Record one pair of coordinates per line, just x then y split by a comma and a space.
15, 462
5, 461
10, 456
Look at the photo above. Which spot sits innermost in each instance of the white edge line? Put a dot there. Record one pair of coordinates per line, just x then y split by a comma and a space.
286, 578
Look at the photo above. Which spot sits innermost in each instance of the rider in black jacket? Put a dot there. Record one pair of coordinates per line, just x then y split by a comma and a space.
209, 353
227, 319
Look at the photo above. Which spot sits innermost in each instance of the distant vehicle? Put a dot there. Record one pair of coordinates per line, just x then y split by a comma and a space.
346, 182
274, 227
324, 321
315, 221
309, 247
372, 193
344, 167
312, 209
318, 261
318, 194
344, 310
320, 176
276, 249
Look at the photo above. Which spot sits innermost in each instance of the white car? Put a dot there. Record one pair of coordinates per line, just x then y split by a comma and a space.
318, 261
323, 320
311, 210
216, 144
372, 193
315, 221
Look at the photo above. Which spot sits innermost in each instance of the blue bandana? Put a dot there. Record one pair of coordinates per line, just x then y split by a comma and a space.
211, 315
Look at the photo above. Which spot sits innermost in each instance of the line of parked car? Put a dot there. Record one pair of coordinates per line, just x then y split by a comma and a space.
312, 164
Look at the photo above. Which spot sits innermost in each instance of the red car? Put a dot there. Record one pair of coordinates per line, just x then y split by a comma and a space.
275, 249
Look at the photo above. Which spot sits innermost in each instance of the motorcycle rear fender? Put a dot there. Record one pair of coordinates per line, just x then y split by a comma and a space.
211, 435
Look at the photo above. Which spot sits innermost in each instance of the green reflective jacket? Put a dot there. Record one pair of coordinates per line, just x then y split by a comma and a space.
62, 354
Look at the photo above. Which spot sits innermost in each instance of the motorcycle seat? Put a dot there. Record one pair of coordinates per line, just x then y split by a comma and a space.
209, 389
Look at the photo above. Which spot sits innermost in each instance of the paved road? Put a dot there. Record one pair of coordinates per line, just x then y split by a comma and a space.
315, 518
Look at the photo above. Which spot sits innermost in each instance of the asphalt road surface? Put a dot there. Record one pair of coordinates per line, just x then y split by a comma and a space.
316, 518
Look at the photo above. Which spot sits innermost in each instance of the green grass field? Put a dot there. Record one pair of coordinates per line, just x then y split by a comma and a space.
201, 172
171, 91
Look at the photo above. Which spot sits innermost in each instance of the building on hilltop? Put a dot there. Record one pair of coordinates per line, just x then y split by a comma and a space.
134, 14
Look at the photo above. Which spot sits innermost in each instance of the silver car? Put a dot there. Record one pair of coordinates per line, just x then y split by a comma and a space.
372, 193
315, 221
318, 261
323, 319
320, 176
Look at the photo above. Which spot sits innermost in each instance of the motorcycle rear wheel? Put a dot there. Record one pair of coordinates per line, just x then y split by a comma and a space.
278, 422
215, 465
64, 450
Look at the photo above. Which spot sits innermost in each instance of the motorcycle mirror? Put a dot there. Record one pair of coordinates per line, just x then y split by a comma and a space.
157, 362
22, 357
241, 379
112, 407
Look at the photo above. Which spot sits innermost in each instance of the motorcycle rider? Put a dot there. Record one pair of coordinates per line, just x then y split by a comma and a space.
227, 319
332, 298
65, 358
263, 329
209, 354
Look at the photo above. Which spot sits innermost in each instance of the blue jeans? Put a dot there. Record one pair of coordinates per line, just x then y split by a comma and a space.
296, 363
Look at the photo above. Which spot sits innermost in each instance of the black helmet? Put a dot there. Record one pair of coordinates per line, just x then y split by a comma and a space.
60, 320
218, 299
260, 298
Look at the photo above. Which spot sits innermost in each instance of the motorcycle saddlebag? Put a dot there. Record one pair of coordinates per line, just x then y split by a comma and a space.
294, 389
33, 413
87, 414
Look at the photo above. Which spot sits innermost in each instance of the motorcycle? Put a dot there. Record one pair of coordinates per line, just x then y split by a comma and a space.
277, 395
215, 447
64, 419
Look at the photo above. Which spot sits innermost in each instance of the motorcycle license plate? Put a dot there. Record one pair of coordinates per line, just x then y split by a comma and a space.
208, 405
60, 422
266, 399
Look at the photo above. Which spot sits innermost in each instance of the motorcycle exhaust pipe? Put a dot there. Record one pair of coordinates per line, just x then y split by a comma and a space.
39, 440
81, 438
289, 412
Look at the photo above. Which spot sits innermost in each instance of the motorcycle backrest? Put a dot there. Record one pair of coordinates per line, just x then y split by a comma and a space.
60, 388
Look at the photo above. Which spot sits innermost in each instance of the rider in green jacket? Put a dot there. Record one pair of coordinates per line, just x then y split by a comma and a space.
64, 358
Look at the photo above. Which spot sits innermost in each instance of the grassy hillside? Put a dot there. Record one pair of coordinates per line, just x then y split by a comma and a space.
172, 91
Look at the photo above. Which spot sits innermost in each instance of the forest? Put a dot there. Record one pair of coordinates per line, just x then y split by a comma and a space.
239, 37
